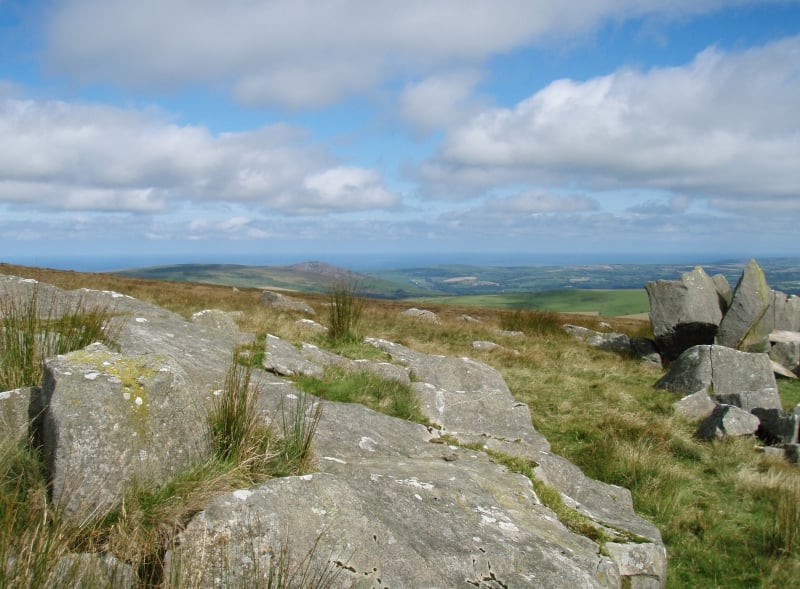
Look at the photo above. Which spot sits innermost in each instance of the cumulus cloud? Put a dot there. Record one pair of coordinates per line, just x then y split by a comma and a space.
57, 155
305, 54
440, 100
723, 126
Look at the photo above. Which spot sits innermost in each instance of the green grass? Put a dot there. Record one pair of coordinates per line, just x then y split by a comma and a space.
609, 303
30, 332
790, 392
344, 312
381, 394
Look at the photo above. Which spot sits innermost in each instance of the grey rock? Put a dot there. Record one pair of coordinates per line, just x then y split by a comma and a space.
735, 378
14, 413
696, 406
684, 312
727, 420
777, 426
785, 350
743, 379
644, 564
421, 315
283, 302
468, 319
724, 291
510, 333
216, 318
690, 373
612, 342
311, 325
747, 324
91, 570
792, 453
284, 359
105, 420
786, 312
486, 346
780, 369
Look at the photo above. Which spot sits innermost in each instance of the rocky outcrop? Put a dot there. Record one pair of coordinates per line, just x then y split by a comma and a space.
392, 503
753, 318
392, 507
684, 312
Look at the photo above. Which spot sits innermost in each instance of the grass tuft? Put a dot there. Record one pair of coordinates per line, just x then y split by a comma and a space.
344, 312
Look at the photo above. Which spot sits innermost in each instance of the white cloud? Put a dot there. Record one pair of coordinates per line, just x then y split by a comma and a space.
305, 54
440, 101
57, 155
535, 203
724, 126
349, 188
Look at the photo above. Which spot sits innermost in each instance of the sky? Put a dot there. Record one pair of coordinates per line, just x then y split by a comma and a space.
362, 132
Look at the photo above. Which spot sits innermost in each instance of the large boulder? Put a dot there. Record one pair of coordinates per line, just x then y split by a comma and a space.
785, 312
747, 323
735, 378
105, 421
785, 349
684, 312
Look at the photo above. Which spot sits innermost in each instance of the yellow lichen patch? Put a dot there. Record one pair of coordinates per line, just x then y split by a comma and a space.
130, 374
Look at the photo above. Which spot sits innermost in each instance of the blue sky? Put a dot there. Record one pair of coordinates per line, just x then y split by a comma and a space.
264, 131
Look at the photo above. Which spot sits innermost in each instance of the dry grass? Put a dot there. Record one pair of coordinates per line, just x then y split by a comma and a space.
728, 515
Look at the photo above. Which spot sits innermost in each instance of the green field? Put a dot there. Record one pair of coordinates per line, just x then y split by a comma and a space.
609, 303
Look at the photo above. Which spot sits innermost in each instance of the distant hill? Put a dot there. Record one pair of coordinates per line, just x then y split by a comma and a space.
305, 277
448, 280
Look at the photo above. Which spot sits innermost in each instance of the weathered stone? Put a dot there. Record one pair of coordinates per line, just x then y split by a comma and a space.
747, 324
104, 420
421, 315
729, 376
282, 302
777, 426
683, 313
14, 413
781, 370
311, 325
486, 346
724, 291
216, 318
644, 564
690, 373
727, 420
284, 359
786, 312
92, 570
695, 406
612, 342
743, 379
785, 350
468, 319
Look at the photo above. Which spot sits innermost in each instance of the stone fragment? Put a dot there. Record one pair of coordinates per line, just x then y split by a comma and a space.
696, 406
421, 315
727, 420
283, 302
786, 312
724, 291
216, 319
612, 342
14, 417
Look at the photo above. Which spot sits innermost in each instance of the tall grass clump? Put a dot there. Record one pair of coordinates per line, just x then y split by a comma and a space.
344, 312
32, 330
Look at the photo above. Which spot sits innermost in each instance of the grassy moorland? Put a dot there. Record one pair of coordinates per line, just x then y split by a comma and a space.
608, 303
729, 515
